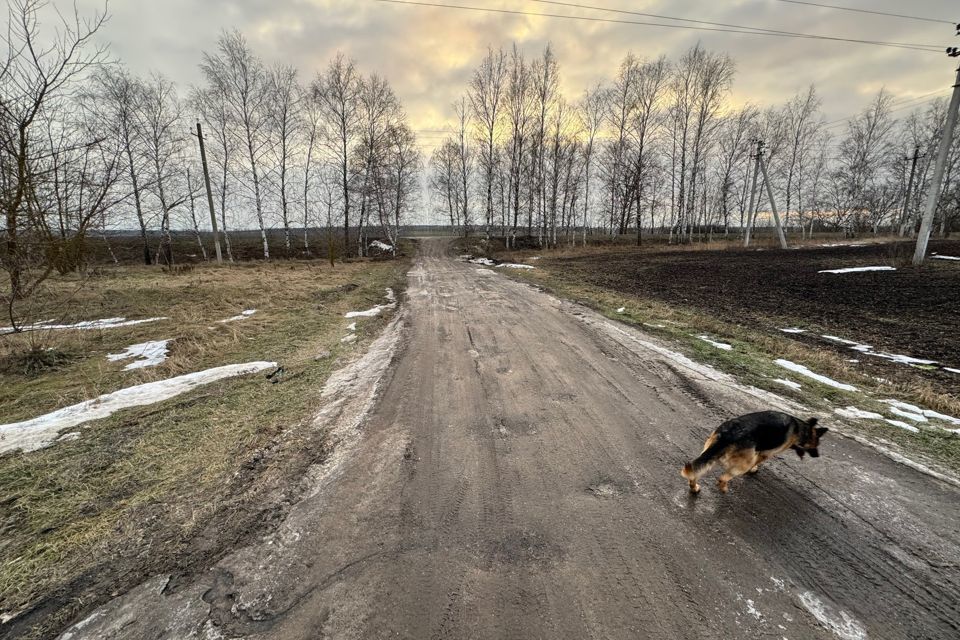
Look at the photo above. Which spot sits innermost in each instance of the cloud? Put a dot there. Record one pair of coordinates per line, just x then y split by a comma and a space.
428, 53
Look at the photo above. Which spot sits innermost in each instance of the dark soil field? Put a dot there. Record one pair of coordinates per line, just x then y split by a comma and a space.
914, 312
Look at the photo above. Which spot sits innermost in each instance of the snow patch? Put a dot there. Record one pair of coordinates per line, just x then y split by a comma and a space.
621, 310
41, 431
919, 411
903, 425
802, 370
939, 257
484, 261
352, 326
382, 246
866, 349
377, 310
243, 316
853, 412
951, 370
511, 265
718, 345
793, 330
844, 626
916, 417
105, 323
788, 383
858, 269
350, 339
147, 354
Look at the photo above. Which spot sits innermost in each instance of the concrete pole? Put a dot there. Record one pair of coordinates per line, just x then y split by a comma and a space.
206, 179
905, 216
773, 205
933, 195
751, 212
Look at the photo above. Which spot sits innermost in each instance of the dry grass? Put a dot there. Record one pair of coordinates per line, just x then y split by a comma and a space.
163, 487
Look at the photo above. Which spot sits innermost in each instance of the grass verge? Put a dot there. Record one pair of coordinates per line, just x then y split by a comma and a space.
168, 487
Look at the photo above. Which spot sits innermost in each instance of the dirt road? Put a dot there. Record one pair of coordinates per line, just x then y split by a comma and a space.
517, 477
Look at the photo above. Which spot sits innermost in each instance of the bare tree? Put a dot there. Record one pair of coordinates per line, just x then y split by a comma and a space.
38, 80
119, 97
163, 132
338, 92
487, 93
284, 113
237, 76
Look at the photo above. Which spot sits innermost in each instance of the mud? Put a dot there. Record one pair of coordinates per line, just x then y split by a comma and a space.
519, 477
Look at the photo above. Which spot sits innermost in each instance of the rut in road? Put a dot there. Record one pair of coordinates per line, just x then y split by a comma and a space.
519, 478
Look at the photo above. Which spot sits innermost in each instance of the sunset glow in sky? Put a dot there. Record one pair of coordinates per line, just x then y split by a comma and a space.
428, 53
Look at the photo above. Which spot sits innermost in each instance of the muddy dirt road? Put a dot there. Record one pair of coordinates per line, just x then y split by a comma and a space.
518, 477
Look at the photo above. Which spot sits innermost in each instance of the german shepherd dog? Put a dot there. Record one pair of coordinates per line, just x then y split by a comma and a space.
742, 444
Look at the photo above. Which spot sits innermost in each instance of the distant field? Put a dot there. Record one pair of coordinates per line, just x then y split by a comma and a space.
167, 487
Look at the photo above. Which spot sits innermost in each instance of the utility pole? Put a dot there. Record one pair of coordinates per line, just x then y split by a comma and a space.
773, 204
206, 179
905, 216
933, 195
751, 212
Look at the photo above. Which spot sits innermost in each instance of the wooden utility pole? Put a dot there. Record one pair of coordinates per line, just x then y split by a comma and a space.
905, 216
206, 180
751, 212
773, 204
933, 195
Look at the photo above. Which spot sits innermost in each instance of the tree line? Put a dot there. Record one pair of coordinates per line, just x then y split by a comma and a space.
87, 146
659, 146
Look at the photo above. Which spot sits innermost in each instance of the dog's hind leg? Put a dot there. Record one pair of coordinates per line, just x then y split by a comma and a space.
761, 458
734, 466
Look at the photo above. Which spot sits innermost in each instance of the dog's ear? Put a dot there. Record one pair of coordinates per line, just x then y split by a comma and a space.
812, 422
821, 431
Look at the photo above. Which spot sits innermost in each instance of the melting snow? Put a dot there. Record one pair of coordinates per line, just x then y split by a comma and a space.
916, 417
377, 310
802, 370
843, 626
866, 349
243, 316
858, 269
621, 309
485, 261
382, 246
918, 411
938, 257
511, 265
349, 339
788, 383
147, 354
951, 370
41, 431
352, 326
903, 425
793, 330
718, 345
853, 412
105, 323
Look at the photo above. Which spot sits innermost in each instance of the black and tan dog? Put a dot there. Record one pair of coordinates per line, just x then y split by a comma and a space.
742, 444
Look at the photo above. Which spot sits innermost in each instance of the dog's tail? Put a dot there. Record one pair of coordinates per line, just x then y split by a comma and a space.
702, 463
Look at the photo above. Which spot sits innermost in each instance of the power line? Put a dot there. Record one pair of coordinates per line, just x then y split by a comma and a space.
895, 106
764, 30
877, 13
929, 48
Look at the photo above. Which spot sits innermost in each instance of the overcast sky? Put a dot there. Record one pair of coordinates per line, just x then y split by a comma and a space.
428, 53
